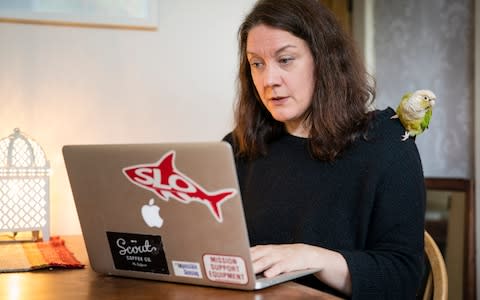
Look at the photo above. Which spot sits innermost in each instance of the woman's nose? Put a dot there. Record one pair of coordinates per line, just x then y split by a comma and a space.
271, 76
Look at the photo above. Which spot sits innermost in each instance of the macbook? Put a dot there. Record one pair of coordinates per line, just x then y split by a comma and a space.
169, 212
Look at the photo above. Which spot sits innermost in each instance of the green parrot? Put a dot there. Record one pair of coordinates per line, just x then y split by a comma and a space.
415, 112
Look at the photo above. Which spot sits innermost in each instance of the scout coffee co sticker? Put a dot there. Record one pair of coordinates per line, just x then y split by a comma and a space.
138, 252
165, 180
226, 269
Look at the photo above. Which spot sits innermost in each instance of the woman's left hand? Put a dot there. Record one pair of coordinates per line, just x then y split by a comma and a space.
276, 259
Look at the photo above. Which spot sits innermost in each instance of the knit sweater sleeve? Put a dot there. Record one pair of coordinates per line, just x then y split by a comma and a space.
389, 265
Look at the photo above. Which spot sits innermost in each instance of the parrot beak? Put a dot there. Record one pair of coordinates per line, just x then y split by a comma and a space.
432, 102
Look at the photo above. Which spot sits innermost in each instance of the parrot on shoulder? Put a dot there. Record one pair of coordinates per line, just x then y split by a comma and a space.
415, 112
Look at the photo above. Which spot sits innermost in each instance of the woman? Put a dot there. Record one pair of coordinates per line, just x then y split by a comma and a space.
326, 183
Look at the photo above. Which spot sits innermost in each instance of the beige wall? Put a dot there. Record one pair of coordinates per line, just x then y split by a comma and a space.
64, 85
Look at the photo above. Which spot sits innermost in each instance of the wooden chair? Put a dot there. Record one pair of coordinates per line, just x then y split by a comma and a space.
436, 287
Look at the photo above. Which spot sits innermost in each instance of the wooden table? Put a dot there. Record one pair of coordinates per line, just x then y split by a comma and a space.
87, 284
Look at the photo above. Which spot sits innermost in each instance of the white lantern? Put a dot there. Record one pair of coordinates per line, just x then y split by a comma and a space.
24, 186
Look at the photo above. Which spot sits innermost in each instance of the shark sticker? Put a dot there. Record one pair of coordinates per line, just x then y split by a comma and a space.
166, 181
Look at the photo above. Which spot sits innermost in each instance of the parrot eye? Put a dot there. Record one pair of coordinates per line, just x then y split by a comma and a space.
425, 98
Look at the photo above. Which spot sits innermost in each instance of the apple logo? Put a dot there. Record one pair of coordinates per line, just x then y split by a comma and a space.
151, 214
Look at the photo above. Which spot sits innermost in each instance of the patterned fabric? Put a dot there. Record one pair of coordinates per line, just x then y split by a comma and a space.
28, 256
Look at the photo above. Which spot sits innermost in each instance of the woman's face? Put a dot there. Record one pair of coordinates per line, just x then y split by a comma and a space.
282, 71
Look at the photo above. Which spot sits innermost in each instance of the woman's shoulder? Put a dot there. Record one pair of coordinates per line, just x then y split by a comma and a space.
383, 127
382, 145
228, 138
386, 133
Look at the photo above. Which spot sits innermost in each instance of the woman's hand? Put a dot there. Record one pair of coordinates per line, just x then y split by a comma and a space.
276, 259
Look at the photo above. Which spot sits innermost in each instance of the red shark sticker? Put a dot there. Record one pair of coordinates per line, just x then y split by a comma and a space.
165, 180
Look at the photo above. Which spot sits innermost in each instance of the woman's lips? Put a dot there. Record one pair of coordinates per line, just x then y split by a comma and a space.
278, 100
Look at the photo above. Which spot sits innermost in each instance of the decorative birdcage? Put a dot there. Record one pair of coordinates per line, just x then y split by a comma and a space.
24, 186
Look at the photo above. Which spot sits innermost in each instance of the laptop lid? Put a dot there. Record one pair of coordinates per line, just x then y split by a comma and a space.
169, 212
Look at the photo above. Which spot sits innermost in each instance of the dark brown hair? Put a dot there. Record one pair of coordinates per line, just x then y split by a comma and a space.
342, 93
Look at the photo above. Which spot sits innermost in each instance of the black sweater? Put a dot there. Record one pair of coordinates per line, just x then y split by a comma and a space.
368, 205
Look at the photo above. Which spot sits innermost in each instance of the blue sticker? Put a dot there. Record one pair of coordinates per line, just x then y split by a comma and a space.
187, 269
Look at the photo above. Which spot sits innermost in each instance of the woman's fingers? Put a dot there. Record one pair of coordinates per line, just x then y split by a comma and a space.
277, 259
261, 257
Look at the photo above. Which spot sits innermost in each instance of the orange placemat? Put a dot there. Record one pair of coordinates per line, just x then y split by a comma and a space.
28, 256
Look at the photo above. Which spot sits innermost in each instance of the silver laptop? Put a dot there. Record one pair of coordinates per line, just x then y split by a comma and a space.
169, 212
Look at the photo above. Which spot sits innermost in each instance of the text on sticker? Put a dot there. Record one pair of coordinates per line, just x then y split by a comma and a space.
125, 248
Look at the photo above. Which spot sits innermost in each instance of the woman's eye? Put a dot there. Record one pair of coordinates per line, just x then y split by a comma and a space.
255, 65
285, 60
